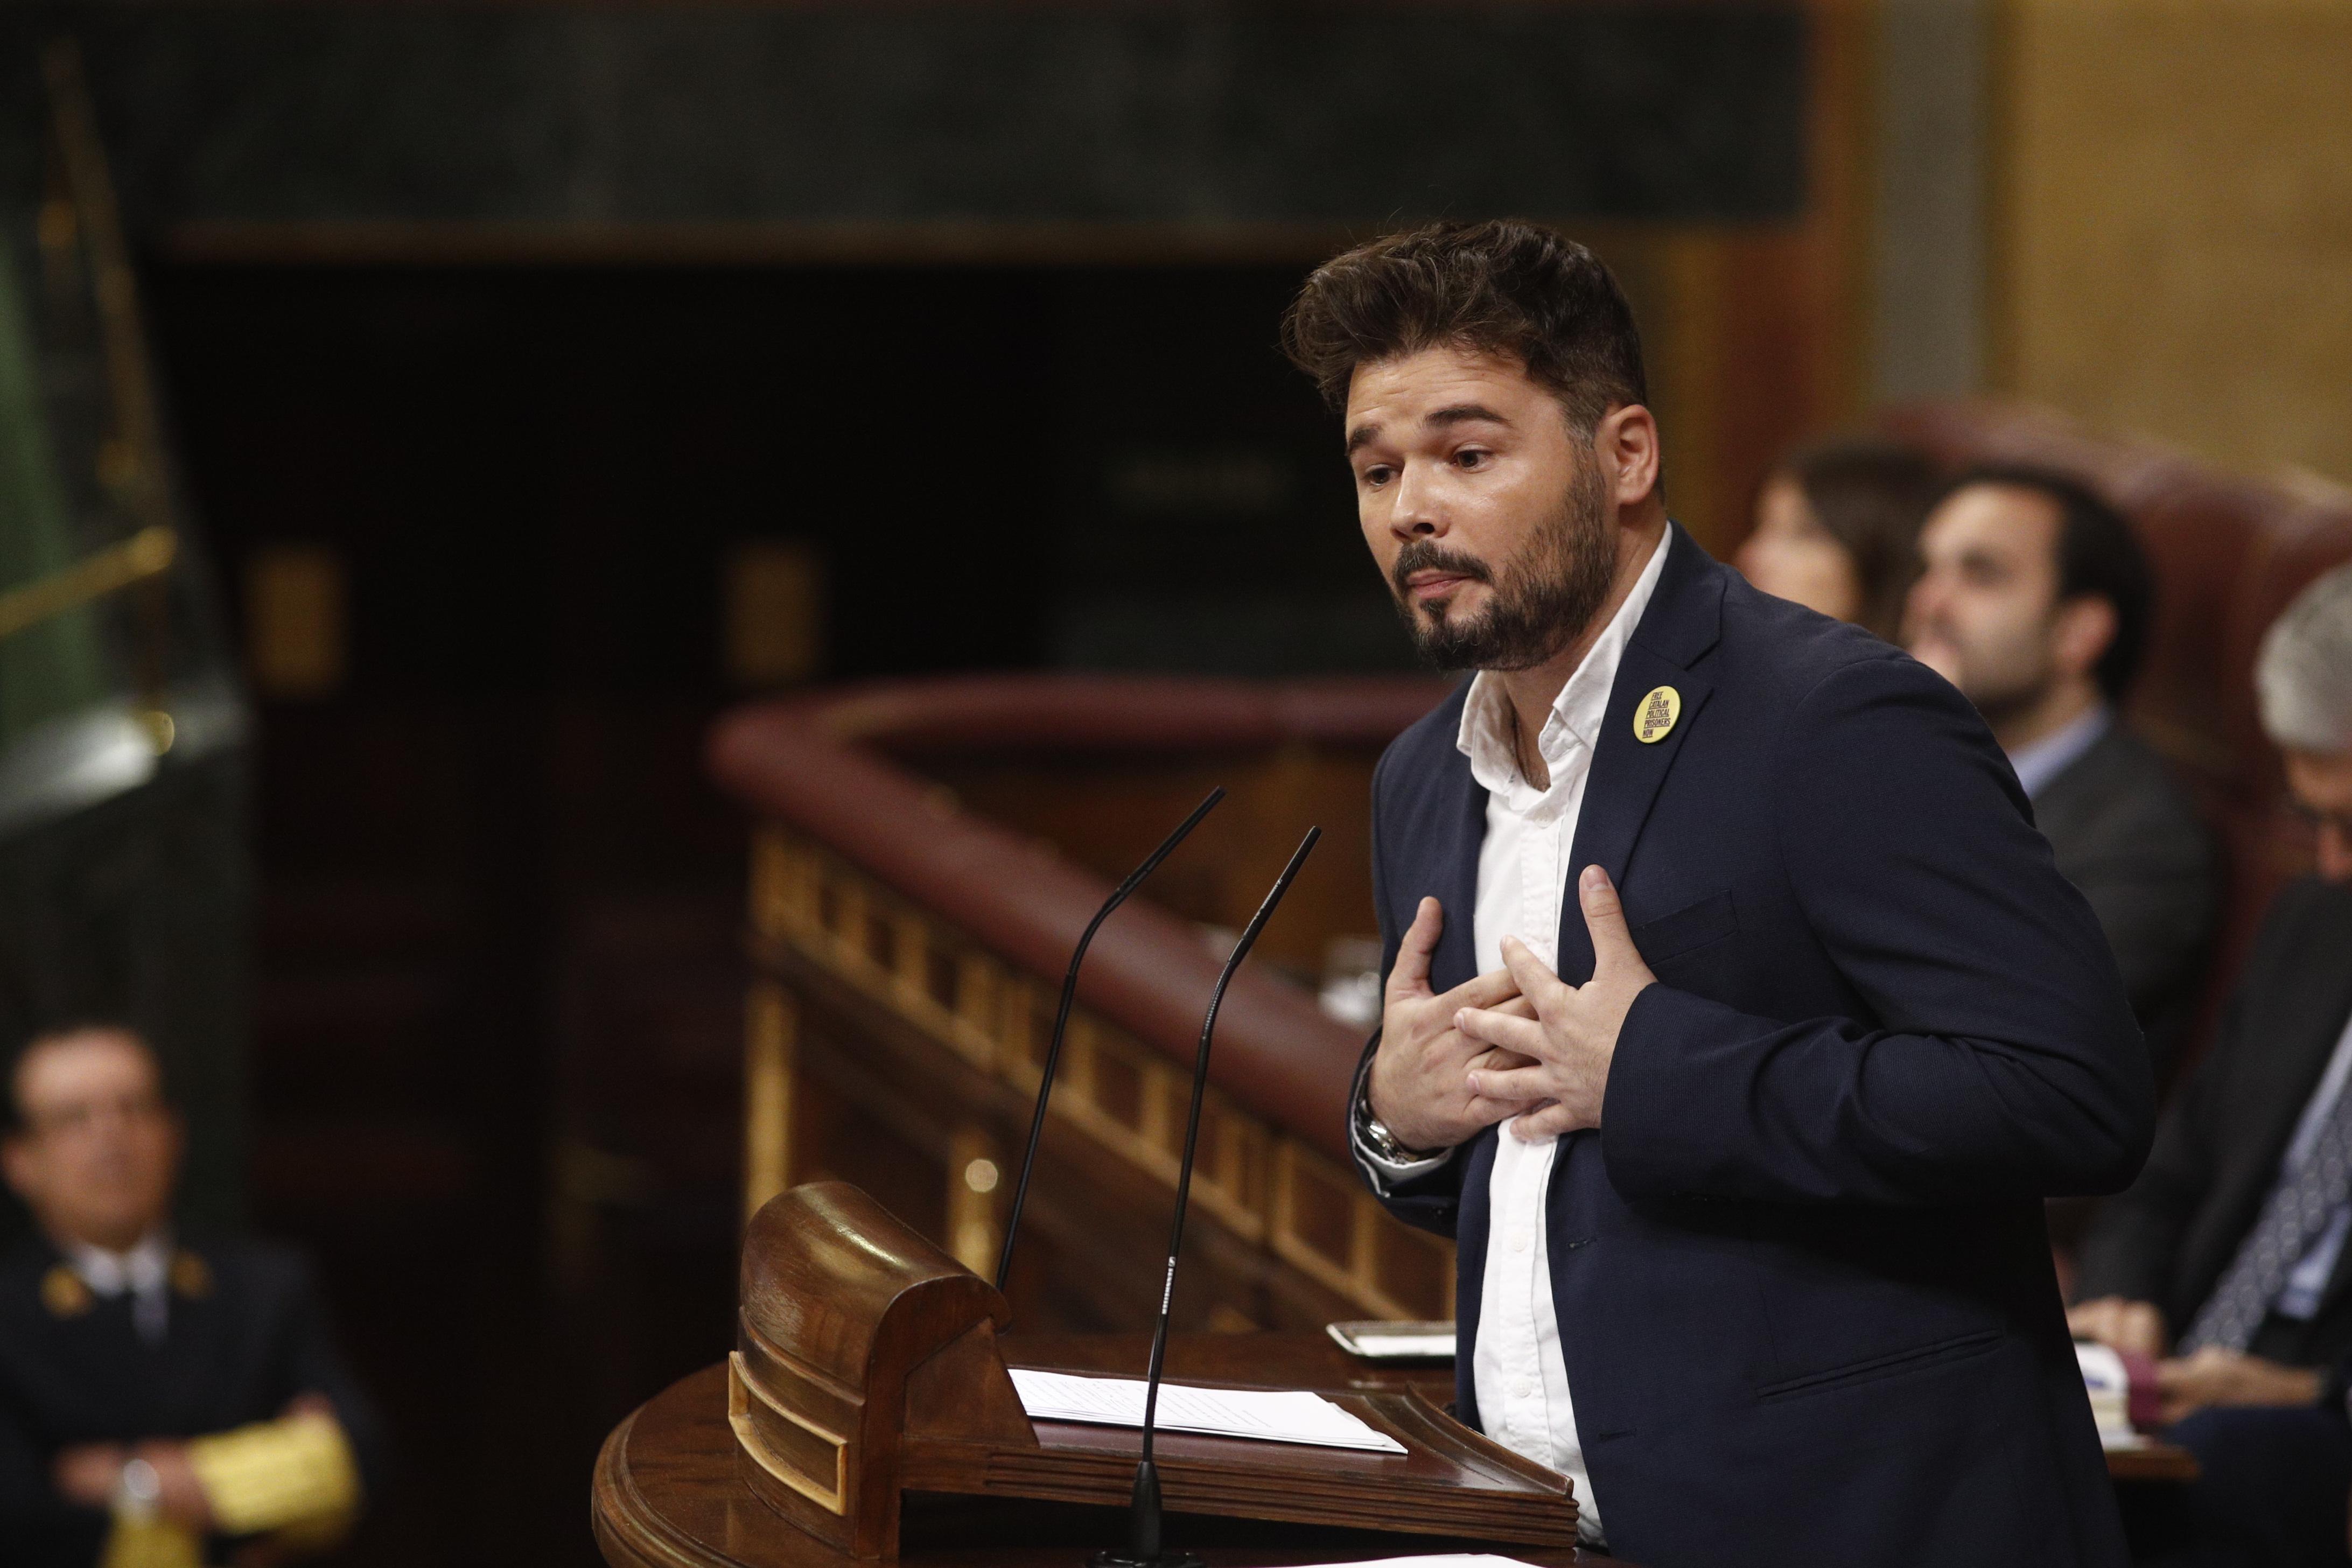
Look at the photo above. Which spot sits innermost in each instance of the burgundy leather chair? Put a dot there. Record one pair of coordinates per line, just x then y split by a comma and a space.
2228, 552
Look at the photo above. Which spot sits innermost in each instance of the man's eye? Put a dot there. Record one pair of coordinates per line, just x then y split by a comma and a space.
1377, 475
1471, 457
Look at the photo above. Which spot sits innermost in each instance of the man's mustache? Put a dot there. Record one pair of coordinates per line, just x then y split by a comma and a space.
1422, 555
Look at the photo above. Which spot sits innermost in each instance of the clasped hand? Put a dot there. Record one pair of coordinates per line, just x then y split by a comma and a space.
1517, 1042
2187, 1384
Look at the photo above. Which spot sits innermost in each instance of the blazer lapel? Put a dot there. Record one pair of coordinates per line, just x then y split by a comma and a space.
1683, 619
1462, 825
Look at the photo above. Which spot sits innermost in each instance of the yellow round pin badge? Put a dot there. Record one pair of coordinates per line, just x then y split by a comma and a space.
190, 1276
1656, 715
63, 1293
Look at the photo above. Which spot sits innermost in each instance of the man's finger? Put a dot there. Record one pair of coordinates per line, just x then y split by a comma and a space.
1604, 918
1514, 1083
1490, 989
1495, 1028
1552, 1121
1409, 977
1536, 980
1484, 1113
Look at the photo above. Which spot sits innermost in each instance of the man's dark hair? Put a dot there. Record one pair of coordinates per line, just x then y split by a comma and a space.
2098, 556
1503, 286
1871, 494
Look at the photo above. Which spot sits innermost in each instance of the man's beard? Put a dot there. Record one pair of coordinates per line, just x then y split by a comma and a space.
1542, 601
2010, 688
1999, 703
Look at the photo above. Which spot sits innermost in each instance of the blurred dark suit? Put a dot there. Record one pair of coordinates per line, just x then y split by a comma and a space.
2127, 835
2270, 1489
245, 1334
2218, 1151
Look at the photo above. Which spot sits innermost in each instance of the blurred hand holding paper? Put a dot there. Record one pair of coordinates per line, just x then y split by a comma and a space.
1268, 1415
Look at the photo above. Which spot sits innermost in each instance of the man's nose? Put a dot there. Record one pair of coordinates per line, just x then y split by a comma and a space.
1418, 513
1923, 603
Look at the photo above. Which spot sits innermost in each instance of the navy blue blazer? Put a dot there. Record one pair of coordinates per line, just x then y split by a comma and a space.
1803, 1283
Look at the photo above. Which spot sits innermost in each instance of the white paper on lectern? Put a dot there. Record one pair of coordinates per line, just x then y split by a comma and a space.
1443, 1560
1268, 1414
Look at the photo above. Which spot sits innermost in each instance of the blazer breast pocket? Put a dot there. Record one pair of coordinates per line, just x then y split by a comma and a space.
1687, 929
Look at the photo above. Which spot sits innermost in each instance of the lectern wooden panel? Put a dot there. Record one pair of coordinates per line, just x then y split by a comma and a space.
868, 1366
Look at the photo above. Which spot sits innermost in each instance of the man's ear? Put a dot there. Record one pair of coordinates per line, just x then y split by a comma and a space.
1625, 442
2082, 633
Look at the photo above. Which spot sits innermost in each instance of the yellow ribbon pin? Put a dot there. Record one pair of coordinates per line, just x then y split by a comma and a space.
1654, 718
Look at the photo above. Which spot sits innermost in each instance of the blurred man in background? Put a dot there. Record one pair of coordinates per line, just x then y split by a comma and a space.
161, 1402
2035, 601
2233, 1237
1837, 529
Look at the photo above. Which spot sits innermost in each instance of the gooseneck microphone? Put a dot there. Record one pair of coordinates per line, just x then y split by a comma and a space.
1062, 1021
1144, 1547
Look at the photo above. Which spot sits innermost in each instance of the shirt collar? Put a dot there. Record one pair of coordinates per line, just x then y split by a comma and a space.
1488, 729
2040, 761
142, 1270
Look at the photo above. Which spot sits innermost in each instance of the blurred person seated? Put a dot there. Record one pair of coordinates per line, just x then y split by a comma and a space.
1837, 529
2233, 1237
163, 1403
2034, 600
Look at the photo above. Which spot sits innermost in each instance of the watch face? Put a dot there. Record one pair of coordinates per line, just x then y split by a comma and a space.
141, 1485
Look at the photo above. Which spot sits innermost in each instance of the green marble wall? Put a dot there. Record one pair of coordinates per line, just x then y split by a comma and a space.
1144, 113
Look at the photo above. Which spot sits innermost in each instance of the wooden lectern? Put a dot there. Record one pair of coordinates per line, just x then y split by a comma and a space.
868, 1366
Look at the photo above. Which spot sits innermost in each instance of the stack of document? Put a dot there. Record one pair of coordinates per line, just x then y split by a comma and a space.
2107, 1381
1268, 1414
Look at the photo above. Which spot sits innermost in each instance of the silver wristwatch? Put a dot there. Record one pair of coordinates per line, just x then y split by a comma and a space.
138, 1490
1378, 1141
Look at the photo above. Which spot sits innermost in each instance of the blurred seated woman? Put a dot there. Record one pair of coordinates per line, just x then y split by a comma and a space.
1836, 530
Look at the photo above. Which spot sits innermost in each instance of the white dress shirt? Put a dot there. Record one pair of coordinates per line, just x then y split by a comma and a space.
144, 1271
2038, 761
1518, 1370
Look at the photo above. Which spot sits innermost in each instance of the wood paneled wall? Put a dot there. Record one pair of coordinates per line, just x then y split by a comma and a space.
2173, 222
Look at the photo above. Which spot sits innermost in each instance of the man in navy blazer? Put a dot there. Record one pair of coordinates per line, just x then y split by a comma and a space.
1744, 1146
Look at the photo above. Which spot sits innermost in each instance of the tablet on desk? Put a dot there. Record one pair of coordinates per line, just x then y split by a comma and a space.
1378, 1341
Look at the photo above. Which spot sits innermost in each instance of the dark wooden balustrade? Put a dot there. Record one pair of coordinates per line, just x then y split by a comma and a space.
925, 856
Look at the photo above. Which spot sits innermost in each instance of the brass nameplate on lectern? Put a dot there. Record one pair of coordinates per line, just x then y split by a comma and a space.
868, 1365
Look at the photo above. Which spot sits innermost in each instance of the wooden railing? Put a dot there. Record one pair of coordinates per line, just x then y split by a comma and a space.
920, 1000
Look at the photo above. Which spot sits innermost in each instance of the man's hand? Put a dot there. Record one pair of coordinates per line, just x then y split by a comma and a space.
182, 1500
2216, 1376
2134, 1328
1573, 1037
1419, 1085
88, 1473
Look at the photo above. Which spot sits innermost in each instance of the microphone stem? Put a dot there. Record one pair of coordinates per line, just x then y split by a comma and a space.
1062, 1023
1193, 1140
